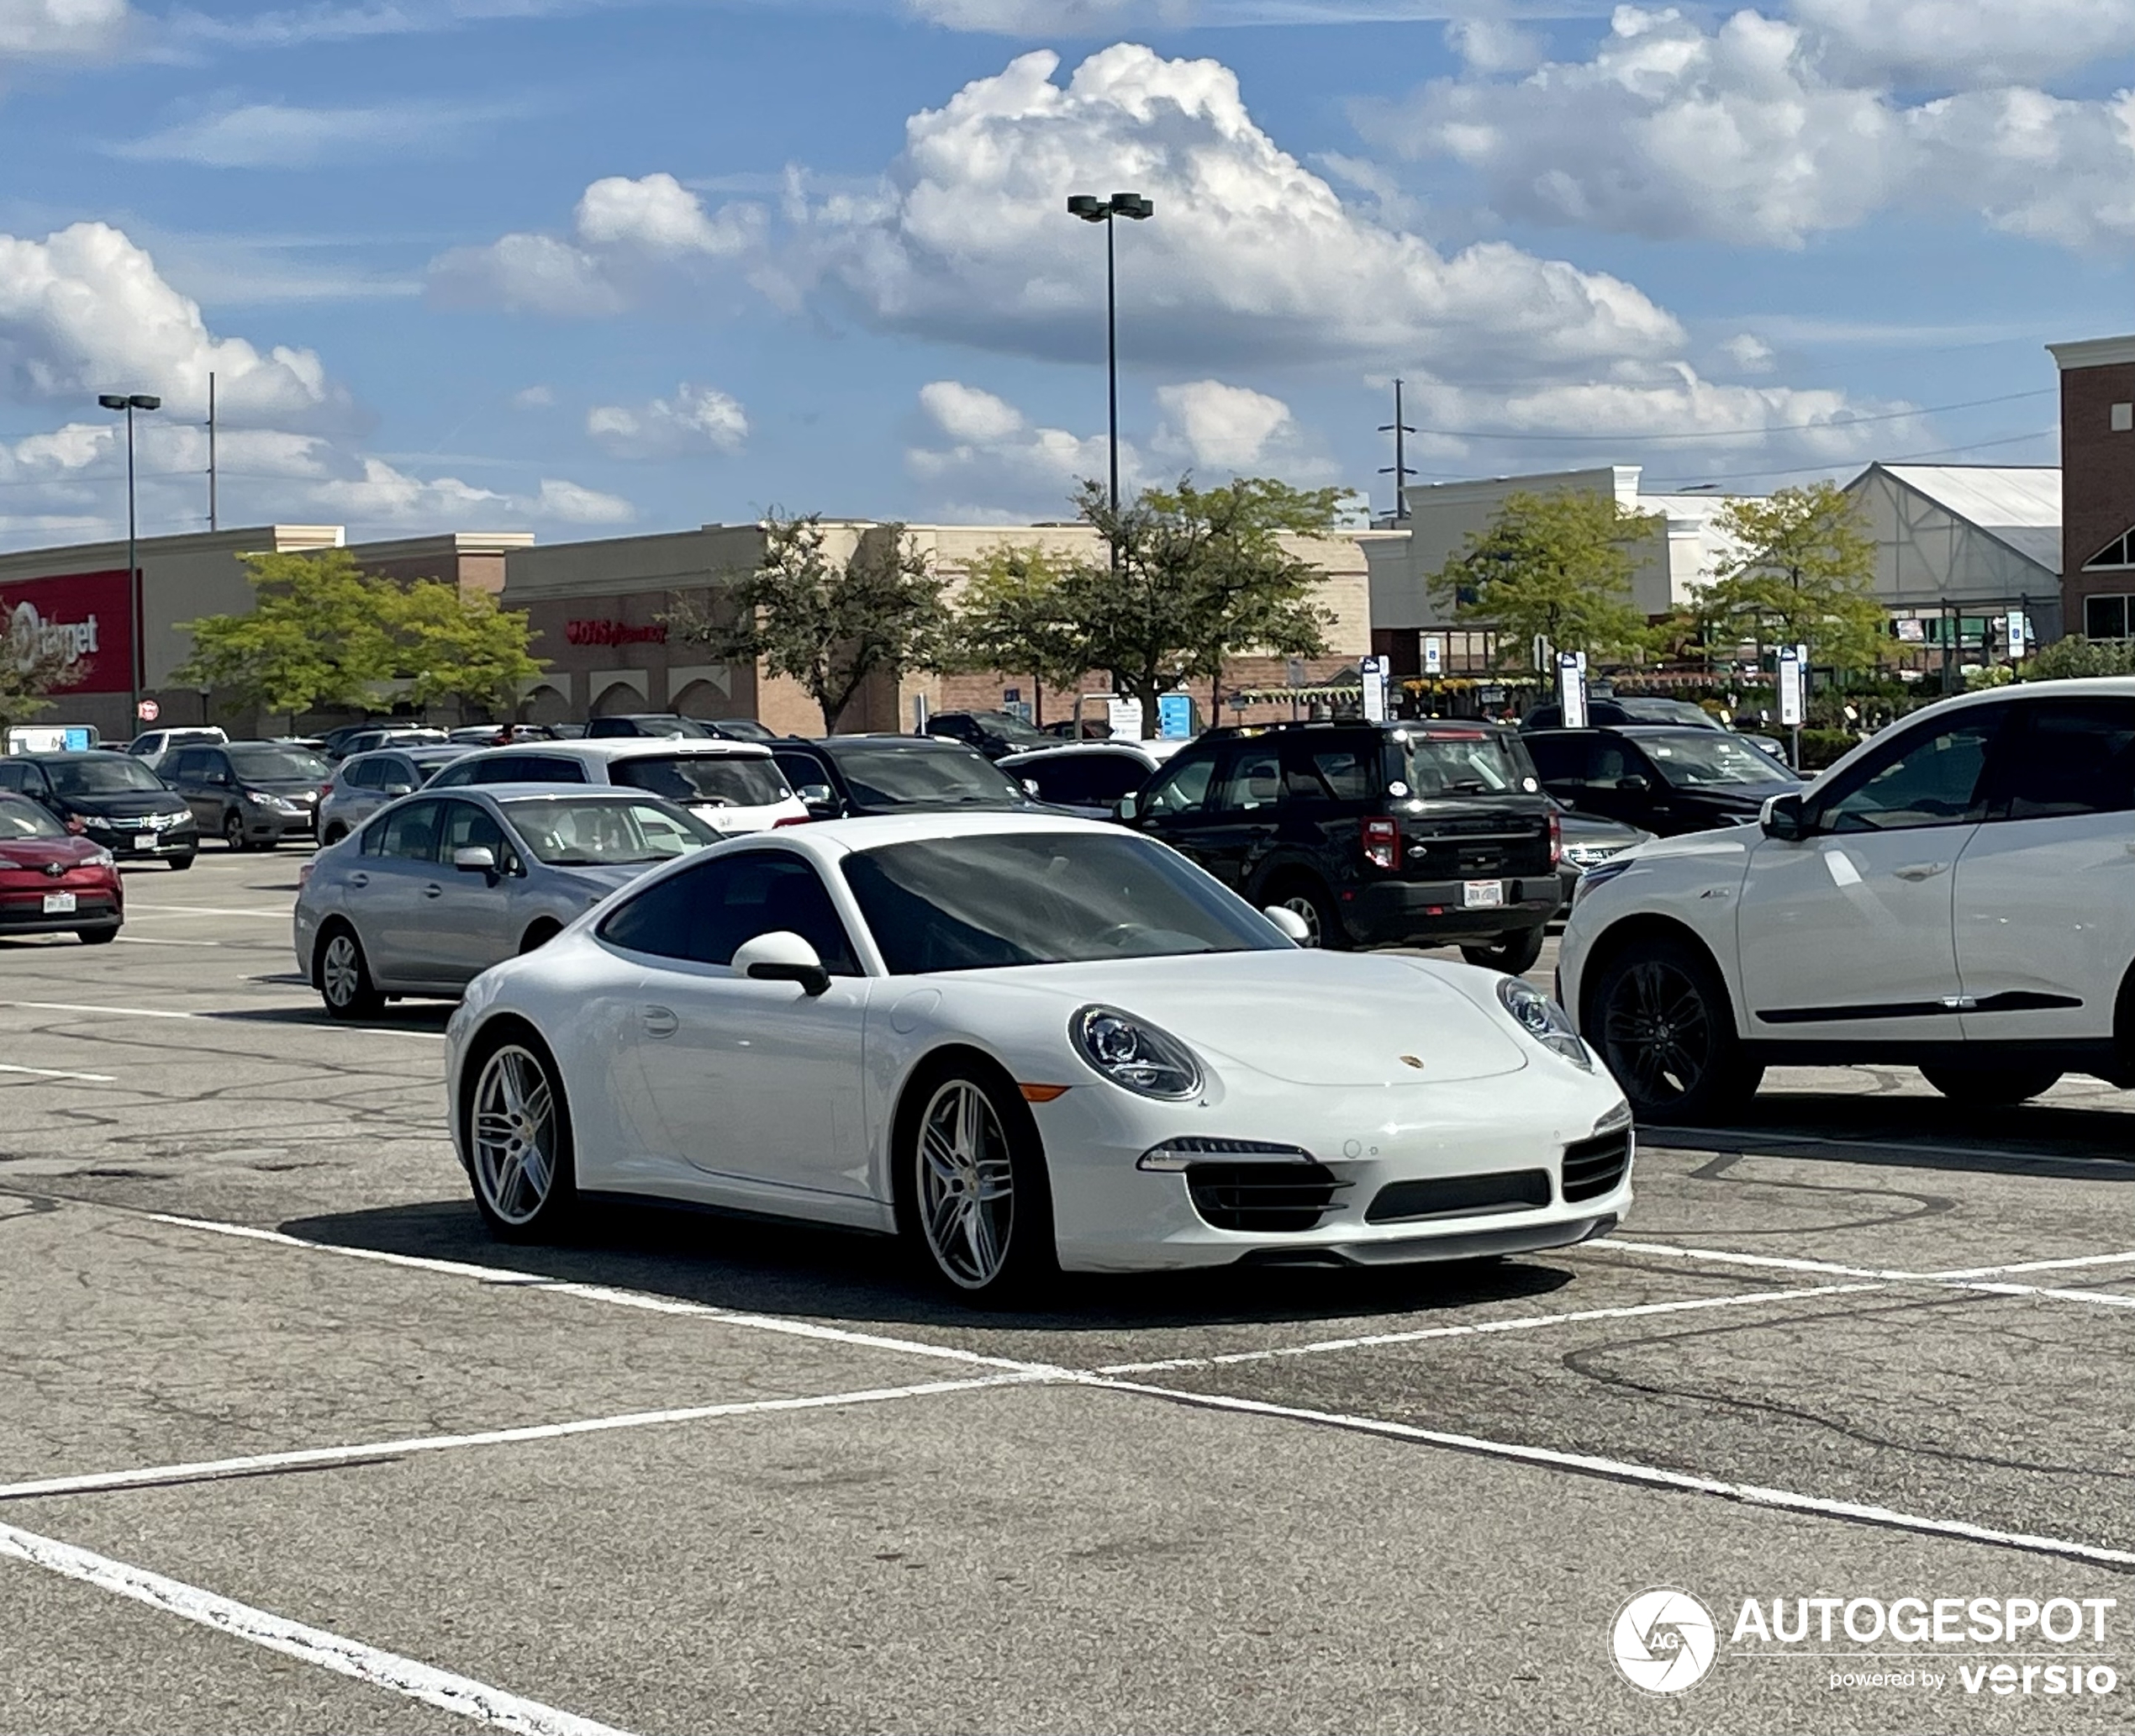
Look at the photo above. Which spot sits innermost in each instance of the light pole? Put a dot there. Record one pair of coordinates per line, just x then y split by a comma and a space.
129, 402
1092, 209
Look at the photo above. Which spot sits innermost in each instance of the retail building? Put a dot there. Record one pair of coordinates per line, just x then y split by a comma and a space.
2097, 565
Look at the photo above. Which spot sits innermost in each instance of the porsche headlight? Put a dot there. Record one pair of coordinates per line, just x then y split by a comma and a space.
1544, 1020
1134, 1054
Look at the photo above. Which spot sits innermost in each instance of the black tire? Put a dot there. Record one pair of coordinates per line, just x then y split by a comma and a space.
233, 831
96, 937
333, 835
1664, 1028
1511, 953
538, 937
179, 864
1309, 899
1985, 1086
977, 1213
343, 976
508, 1127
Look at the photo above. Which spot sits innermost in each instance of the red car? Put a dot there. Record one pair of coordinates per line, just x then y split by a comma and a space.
52, 880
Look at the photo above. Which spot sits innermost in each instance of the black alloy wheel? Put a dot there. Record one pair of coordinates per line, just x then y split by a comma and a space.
233, 831
1668, 1037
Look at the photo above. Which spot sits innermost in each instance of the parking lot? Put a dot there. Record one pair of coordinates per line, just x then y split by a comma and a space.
287, 1442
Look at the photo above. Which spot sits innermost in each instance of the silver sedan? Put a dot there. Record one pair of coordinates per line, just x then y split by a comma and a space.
437, 888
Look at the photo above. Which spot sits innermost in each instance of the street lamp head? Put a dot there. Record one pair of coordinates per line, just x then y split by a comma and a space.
1132, 204
143, 401
1087, 206
112, 400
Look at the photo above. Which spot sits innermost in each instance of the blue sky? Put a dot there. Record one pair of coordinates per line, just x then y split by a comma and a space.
588, 268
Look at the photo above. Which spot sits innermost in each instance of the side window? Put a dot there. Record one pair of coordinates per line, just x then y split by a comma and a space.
362, 775
2067, 757
1181, 788
1930, 776
192, 766
11, 777
468, 827
410, 833
1110, 776
1252, 779
551, 768
457, 775
1558, 759
1065, 779
1323, 771
705, 913
1609, 757
500, 768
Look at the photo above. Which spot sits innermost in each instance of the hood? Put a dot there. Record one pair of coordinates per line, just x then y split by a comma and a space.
604, 878
1582, 828
1308, 1017
35, 852
296, 789
127, 803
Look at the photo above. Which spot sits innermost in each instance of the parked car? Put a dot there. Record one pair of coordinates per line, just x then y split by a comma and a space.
364, 783
994, 734
1088, 778
53, 881
731, 786
502, 734
844, 777
386, 735
437, 888
112, 799
1024, 1043
153, 748
252, 794
1639, 708
739, 728
644, 723
1949, 896
1657, 778
1589, 840
1430, 833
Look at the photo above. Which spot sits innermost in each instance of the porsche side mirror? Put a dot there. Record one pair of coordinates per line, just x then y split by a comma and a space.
476, 859
1294, 926
781, 957
1786, 819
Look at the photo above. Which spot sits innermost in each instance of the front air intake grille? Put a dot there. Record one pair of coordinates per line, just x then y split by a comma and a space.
1459, 1196
1262, 1196
1595, 1167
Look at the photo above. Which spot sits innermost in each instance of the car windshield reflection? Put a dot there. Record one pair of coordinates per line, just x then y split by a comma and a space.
587, 833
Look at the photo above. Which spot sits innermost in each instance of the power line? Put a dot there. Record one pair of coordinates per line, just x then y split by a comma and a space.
1901, 458
1619, 440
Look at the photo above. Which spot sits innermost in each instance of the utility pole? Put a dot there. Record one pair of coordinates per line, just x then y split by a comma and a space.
213, 524
1093, 209
128, 402
1399, 470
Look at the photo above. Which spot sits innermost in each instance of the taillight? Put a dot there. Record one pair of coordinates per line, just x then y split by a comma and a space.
326, 791
1382, 840
792, 820
1556, 839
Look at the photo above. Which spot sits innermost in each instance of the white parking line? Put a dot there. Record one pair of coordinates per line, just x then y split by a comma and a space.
120, 1012
221, 1016
2059, 1265
457, 1694
1727, 1257
1962, 1279
142, 940
94, 1078
1530, 1322
253, 1464
281, 914
1652, 1476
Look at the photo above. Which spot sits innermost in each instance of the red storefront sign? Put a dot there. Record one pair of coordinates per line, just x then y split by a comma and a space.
86, 618
615, 633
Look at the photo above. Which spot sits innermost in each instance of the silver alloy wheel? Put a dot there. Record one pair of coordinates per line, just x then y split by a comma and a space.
966, 1184
1300, 904
514, 1134
341, 971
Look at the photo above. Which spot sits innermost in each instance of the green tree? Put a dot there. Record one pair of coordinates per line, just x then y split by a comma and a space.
1555, 566
317, 635
829, 624
451, 644
1804, 575
2075, 656
1196, 576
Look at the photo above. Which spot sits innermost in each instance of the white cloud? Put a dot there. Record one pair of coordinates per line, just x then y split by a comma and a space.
1210, 426
534, 397
1745, 133
69, 29
1491, 44
1050, 18
1750, 353
280, 135
695, 419
1959, 44
1001, 462
967, 414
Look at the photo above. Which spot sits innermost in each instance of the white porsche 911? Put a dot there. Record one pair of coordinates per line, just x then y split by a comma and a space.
1025, 1044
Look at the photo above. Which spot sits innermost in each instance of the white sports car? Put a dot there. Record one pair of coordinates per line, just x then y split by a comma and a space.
1025, 1043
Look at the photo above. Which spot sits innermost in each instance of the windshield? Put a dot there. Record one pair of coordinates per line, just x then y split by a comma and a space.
1694, 761
720, 780
1467, 762
893, 776
276, 765
579, 832
428, 759
1680, 711
20, 819
1008, 725
1045, 898
100, 774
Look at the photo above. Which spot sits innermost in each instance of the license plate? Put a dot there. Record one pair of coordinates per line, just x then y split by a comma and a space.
144, 841
58, 903
1482, 895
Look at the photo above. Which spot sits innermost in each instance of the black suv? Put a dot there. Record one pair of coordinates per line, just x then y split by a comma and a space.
1377, 834
841, 776
993, 733
1664, 780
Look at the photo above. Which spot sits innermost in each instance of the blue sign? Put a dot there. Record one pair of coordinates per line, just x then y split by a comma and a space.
1174, 717
78, 738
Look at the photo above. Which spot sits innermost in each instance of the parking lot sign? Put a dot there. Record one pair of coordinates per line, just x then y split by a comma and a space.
1372, 672
1571, 688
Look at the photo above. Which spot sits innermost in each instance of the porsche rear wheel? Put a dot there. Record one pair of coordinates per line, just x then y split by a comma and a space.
519, 1142
978, 1202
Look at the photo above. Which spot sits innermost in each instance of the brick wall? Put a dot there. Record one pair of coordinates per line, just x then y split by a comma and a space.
2097, 481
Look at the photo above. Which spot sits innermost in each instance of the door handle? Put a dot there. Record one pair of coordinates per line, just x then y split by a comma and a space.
433, 890
1921, 870
359, 879
660, 1021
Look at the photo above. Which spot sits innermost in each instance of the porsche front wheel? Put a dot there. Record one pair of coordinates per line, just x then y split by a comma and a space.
978, 1201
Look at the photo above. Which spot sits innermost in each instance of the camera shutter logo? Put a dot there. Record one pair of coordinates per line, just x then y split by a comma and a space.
1663, 1641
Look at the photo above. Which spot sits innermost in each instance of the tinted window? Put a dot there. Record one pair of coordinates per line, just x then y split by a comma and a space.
469, 827
195, 763
1931, 777
1181, 788
720, 780
549, 768
1318, 770
363, 773
1699, 759
705, 913
1466, 762
100, 774
408, 833
800, 765
2067, 757
890, 775
1559, 759
278, 765
457, 775
1045, 898
11, 776
1253, 778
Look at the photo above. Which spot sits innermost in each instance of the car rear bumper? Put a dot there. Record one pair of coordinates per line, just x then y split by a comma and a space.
1434, 913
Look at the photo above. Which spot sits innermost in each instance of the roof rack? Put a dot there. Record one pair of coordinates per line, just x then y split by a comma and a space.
1230, 730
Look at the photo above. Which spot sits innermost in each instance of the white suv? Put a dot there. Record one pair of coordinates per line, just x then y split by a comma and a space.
1956, 894
731, 786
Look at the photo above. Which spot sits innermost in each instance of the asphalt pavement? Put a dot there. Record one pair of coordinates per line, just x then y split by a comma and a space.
287, 1442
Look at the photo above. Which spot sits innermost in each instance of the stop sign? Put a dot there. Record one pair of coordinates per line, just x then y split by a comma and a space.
148, 711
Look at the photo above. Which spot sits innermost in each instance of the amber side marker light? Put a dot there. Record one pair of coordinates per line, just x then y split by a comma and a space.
1042, 1094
